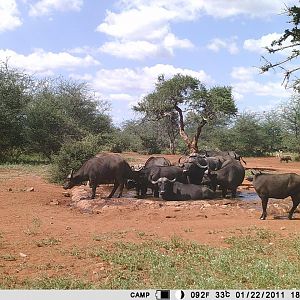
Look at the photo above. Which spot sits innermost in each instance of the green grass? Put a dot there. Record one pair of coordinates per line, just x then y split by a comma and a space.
16, 170
256, 260
48, 242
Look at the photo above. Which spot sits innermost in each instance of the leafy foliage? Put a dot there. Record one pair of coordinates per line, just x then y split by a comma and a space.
289, 40
181, 94
14, 96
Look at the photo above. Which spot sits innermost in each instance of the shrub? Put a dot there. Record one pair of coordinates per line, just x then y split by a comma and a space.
73, 154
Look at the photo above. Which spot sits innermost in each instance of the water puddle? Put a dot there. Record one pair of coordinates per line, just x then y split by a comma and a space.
248, 196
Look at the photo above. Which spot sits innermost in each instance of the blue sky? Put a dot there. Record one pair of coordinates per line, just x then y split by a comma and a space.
120, 47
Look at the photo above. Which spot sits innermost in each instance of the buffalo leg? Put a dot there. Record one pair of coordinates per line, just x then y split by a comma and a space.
233, 193
296, 201
121, 190
94, 186
264, 203
113, 190
224, 192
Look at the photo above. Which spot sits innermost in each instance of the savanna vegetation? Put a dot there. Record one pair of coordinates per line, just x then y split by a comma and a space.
62, 122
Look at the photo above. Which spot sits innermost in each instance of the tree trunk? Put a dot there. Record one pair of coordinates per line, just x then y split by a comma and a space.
172, 146
191, 144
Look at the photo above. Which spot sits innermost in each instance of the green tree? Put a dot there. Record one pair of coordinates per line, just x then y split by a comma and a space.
184, 94
14, 97
272, 128
290, 117
248, 135
63, 110
288, 45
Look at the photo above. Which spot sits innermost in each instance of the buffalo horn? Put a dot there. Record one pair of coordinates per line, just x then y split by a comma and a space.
155, 182
201, 166
173, 180
180, 159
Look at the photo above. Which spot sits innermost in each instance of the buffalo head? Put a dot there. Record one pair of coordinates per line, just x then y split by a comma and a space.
69, 182
165, 185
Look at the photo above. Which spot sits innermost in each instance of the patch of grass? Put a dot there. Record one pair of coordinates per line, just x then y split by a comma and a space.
56, 283
16, 170
33, 228
8, 257
109, 235
188, 230
258, 259
251, 261
48, 242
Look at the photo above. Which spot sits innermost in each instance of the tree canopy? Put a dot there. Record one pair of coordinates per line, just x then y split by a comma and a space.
287, 45
184, 94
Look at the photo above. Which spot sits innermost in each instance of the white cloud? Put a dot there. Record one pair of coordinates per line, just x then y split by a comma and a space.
258, 45
139, 80
142, 49
145, 22
189, 9
244, 73
9, 15
41, 61
130, 49
149, 21
270, 89
46, 7
229, 44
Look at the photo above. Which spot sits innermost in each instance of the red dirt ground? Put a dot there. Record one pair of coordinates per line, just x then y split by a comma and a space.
40, 228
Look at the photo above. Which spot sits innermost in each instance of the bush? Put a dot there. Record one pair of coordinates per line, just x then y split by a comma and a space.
73, 154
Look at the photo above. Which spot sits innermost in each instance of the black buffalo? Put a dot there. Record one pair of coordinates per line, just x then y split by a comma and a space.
229, 177
285, 158
223, 155
102, 169
174, 190
170, 172
277, 186
194, 167
157, 161
141, 182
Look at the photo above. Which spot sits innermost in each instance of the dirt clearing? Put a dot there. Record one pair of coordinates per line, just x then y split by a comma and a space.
42, 233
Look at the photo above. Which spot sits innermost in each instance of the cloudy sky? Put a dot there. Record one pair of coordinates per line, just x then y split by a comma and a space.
120, 46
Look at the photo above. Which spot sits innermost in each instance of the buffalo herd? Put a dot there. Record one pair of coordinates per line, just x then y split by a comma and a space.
194, 177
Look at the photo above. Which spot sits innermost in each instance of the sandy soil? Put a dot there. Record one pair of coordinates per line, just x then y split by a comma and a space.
40, 226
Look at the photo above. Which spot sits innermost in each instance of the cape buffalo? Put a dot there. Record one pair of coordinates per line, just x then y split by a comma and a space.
277, 186
102, 169
170, 172
285, 158
174, 190
141, 182
230, 176
194, 168
224, 154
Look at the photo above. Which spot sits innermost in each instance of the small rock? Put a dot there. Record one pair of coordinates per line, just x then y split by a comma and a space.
207, 205
22, 254
66, 194
283, 228
271, 243
54, 202
169, 217
31, 189
51, 223
10, 189
68, 228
